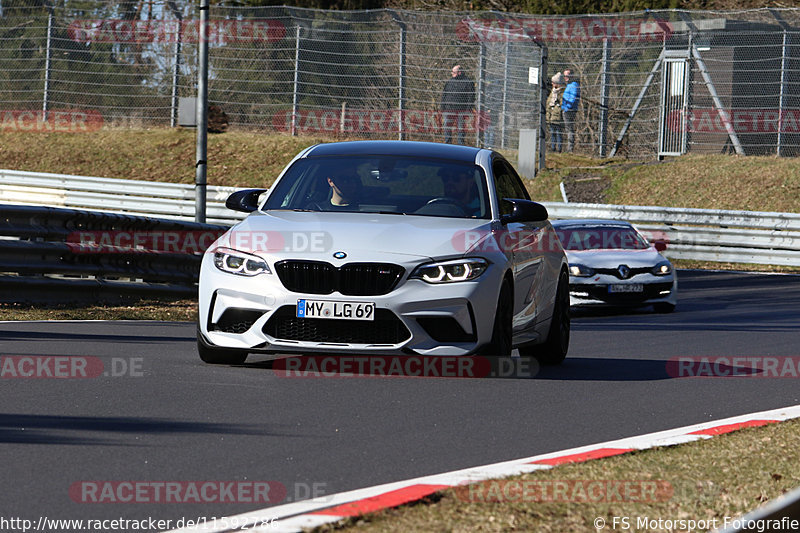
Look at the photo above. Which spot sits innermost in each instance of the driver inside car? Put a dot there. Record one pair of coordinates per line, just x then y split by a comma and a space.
345, 191
460, 186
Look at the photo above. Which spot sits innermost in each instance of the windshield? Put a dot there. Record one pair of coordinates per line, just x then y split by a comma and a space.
581, 238
383, 184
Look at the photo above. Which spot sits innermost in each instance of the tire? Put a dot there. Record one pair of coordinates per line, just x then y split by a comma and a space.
218, 356
500, 346
554, 350
664, 307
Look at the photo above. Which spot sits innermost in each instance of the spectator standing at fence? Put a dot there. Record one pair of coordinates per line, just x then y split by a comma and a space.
569, 105
553, 114
458, 101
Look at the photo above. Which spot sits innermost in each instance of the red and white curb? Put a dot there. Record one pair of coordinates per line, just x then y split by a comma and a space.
295, 516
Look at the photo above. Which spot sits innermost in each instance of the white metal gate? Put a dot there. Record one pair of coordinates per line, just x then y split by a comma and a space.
673, 125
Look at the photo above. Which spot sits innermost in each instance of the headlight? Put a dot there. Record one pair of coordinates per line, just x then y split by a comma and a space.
662, 269
580, 271
241, 263
451, 271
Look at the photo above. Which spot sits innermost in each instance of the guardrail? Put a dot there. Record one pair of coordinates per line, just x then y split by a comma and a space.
701, 234
53, 255
135, 197
704, 234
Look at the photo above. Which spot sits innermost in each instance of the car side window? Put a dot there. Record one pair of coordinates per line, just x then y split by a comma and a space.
508, 184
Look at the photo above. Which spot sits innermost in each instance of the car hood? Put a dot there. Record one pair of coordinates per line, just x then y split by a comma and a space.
313, 235
614, 258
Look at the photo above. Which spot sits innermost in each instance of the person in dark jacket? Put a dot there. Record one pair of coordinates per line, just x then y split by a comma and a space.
458, 101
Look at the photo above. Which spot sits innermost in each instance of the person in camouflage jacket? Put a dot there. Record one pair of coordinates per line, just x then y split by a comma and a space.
553, 112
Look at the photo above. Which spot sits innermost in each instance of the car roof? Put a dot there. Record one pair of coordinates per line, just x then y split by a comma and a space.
594, 222
452, 152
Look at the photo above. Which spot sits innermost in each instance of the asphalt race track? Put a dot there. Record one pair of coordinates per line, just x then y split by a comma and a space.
173, 418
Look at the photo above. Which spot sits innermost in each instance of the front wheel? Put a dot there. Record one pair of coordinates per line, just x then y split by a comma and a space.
218, 356
554, 350
500, 346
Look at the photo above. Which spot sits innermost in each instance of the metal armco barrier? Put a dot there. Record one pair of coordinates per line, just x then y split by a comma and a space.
51, 254
701, 234
704, 234
136, 197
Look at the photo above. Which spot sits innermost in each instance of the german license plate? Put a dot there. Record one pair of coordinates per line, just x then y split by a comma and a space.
338, 310
627, 287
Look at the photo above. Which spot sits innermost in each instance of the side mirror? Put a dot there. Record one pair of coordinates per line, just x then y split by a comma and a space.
245, 200
525, 211
660, 246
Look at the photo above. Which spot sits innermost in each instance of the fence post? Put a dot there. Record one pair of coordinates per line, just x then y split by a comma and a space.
176, 72
202, 117
479, 106
47, 61
542, 106
604, 75
401, 87
781, 101
296, 85
505, 88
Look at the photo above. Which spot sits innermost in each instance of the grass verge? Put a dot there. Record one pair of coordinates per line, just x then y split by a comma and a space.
725, 476
180, 310
753, 183
235, 158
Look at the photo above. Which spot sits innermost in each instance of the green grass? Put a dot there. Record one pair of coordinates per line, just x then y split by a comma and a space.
235, 158
754, 183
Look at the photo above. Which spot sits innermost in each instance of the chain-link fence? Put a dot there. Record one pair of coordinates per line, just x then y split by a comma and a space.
372, 74
652, 83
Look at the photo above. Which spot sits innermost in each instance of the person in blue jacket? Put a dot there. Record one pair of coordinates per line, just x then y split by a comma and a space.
569, 105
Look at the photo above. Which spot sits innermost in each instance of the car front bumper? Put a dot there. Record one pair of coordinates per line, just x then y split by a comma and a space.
595, 290
258, 314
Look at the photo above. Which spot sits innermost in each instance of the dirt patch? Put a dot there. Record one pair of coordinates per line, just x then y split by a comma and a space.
586, 188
